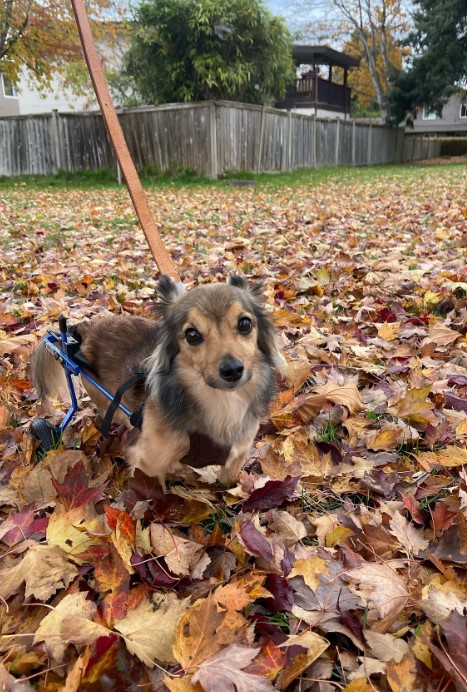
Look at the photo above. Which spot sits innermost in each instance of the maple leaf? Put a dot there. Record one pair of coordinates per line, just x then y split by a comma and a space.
286, 526
43, 570
345, 394
255, 542
272, 494
204, 630
269, 661
180, 554
386, 647
409, 537
415, 407
69, 621
381, 590
149, 629
310, 569
74, 490
224, 671
314, 646
62, 531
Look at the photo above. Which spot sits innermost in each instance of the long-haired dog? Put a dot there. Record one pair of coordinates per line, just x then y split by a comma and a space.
209, 363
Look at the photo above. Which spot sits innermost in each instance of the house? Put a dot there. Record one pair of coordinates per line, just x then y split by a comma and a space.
452, 121
9, 102
315, 93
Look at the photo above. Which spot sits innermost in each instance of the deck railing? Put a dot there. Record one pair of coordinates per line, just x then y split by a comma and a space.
321, 92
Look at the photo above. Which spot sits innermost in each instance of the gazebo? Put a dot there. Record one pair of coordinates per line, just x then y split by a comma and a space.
313, 94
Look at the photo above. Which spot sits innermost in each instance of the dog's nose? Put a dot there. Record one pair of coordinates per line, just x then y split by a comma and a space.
231, 369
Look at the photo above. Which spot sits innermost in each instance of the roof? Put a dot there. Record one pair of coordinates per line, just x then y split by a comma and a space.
323, 55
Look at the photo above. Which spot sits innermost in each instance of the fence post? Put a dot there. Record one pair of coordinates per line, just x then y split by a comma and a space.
261, 135
56, 140
353, 143
370, 132
314, 141
289, 152
337, 141
213, 138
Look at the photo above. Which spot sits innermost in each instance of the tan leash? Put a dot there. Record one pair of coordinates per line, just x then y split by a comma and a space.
140, 202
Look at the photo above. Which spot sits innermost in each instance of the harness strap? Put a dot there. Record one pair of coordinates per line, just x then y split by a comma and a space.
138, 376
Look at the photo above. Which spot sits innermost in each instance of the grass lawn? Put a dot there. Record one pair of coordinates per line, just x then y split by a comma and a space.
354, 548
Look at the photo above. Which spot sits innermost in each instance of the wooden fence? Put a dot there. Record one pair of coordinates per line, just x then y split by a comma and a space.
210, 138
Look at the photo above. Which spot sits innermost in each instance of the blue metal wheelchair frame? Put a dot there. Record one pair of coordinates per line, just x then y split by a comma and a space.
58, 344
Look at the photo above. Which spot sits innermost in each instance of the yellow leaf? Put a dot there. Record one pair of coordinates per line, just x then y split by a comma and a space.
402, 677
309, 569
389, 330
315, 646
347, 395
338, 534
414, 406
431, 298
452, 456
149, 629
62, 531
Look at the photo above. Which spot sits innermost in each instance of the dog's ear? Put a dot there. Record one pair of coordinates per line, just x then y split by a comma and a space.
167, 293
255, 289
166, 289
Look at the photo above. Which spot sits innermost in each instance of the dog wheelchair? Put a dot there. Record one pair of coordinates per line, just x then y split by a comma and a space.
65, 347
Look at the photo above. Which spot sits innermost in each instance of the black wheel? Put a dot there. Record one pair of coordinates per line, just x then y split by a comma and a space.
45, 432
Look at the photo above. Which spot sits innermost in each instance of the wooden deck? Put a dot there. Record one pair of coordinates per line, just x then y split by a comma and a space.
320, 93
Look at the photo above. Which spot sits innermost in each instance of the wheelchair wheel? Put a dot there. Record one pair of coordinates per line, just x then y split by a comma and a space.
45, 432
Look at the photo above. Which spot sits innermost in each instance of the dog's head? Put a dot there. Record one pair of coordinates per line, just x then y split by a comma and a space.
218, 333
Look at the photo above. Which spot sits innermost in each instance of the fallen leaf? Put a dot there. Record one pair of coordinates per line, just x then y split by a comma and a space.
43, 570
69, 621
149, 629
224, 670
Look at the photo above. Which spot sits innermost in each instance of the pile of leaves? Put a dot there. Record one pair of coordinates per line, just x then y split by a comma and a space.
338, 561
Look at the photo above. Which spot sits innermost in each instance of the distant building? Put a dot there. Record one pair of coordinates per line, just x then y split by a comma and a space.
452, 121
315, 94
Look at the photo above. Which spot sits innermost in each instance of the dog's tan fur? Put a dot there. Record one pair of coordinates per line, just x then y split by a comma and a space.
185, 392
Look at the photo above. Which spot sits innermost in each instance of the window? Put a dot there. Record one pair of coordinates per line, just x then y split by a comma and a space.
463, 111
427, 114
9, 89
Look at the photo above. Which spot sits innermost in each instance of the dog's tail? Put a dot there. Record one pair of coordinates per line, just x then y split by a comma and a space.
48, 376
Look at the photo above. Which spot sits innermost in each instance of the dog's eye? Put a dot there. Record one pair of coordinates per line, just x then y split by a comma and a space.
245, 325
193, 337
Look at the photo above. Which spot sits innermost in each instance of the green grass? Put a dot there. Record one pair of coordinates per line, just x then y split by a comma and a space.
186, 178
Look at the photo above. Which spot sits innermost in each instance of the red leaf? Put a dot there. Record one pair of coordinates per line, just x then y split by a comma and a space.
413, 506
255, 543
442, 518
75, 490
268, 662
272, 494
21, 525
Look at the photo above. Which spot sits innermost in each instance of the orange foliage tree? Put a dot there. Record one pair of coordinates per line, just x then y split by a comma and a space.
368, 29
42, 38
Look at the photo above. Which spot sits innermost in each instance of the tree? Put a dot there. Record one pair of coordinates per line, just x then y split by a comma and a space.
361, 80
42, 38
368, 29
190, 50
439, 63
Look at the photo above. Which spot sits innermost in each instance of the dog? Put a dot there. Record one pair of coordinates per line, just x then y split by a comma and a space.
209, 366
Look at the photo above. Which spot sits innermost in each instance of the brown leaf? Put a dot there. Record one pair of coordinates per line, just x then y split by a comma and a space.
224, 671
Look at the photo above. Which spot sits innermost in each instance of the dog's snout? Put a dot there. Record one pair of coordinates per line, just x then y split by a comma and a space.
231, 369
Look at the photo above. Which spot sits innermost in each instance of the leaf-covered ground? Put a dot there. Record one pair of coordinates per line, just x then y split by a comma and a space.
338, 562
